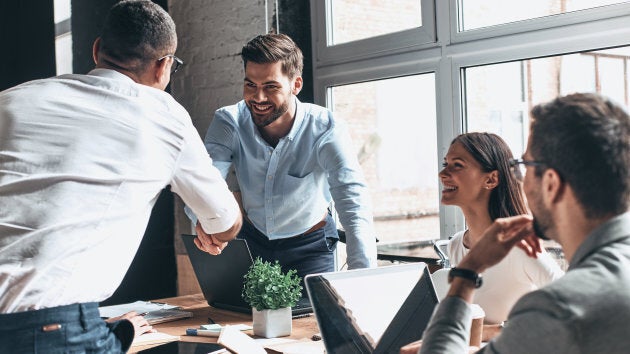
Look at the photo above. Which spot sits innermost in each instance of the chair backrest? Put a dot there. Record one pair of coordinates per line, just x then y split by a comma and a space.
440, 282
440, 248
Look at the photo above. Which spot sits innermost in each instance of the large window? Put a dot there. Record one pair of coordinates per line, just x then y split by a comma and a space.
386, 131
498, 97
466, 66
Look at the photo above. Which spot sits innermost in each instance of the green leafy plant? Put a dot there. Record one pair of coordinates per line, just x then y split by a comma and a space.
268, 288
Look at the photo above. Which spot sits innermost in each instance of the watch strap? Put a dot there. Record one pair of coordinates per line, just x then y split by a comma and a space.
466, 274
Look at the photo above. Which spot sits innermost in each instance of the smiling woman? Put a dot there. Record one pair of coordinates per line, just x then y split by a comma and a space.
477, 178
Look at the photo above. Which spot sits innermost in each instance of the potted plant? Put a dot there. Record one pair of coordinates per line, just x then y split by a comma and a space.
271, 294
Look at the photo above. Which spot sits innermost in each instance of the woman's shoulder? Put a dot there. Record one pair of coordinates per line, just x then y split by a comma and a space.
458, 236
455, 247
544, 267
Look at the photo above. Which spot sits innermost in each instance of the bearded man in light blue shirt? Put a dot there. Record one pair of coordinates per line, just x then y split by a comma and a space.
291, 160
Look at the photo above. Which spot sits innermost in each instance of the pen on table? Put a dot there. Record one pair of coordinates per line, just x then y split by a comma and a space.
202, 332
211, 321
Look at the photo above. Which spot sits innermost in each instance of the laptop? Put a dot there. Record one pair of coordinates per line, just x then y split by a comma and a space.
221, 277
375, 310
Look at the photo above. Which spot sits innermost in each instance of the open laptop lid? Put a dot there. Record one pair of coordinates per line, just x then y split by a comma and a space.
376, 310
221, 277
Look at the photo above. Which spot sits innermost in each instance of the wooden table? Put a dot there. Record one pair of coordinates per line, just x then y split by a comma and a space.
304, 327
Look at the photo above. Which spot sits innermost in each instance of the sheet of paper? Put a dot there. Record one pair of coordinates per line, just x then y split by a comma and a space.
292, 346
138, 306
154, 338
239, 342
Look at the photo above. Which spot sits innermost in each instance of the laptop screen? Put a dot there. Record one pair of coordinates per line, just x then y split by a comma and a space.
221, 277
372, 310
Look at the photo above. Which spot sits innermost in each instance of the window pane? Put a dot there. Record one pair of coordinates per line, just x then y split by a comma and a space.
499, 96
393, 127
484, 13
62, 10
63, 54
63, 37
359, 19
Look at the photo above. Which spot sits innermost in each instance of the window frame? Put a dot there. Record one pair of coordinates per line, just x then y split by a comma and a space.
452, 52
406, 40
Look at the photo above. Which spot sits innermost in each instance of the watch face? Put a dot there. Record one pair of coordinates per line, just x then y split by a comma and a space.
479, 281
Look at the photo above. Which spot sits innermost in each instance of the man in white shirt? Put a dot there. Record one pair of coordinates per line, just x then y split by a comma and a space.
83, 159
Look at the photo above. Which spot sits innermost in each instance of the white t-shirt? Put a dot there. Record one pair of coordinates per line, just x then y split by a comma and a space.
83, 159
505, 282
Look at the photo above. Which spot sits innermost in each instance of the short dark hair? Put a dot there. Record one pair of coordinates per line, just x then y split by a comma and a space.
493, 153
272, 48
586, 138
136, 32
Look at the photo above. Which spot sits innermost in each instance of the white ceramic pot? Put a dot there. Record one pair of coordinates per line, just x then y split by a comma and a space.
272, 323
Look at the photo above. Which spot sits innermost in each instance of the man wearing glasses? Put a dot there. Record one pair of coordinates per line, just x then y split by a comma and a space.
83, 159
577, 182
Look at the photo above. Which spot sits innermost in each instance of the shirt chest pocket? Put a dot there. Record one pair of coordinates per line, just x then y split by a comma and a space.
297, 190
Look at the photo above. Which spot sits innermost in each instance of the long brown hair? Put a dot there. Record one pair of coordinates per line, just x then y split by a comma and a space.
493, 153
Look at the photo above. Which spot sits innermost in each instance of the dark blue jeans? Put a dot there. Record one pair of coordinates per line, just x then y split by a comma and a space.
307, 253
75, 328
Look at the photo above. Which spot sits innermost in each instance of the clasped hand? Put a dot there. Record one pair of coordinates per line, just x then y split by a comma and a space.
207, 242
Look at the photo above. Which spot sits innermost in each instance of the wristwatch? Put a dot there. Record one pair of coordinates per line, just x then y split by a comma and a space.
466, 274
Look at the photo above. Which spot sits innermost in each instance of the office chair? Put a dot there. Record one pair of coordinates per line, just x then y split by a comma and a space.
440, 248
440, 276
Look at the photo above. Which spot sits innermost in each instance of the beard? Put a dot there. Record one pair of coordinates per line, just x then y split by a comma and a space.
538, 230
264, 120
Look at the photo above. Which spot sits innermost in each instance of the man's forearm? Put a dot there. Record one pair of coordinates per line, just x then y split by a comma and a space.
462, 288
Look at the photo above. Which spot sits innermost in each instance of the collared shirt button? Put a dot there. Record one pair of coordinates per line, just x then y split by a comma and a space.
270, 177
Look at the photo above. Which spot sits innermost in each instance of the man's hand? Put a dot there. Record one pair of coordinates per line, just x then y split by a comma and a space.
140, 325
207, 242
499, 239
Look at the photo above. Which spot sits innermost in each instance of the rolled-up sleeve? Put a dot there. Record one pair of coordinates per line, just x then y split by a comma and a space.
203, 188
350, 193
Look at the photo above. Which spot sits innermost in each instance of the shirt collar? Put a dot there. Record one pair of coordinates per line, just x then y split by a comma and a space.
299, 118
610, 231
110, 74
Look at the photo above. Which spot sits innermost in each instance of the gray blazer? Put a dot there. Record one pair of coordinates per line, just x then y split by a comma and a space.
585, 311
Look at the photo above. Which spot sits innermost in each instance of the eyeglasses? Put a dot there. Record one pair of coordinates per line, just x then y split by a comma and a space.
177, 63
518, 167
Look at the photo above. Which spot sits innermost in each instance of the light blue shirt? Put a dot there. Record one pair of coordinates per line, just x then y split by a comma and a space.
287, 189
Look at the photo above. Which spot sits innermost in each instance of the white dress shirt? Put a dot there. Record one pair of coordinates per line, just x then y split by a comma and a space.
83, 159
